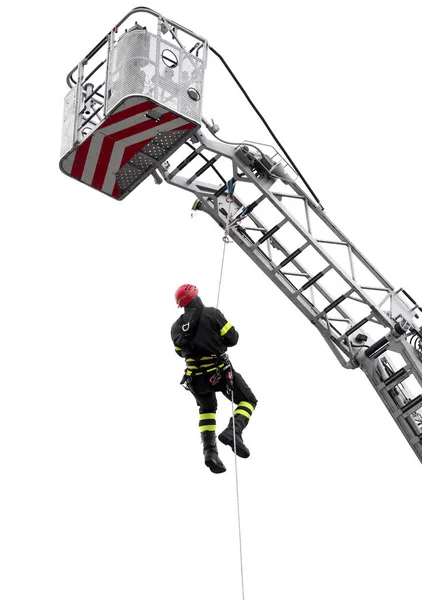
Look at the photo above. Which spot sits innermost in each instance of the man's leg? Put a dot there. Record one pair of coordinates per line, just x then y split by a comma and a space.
246, 402
207, 402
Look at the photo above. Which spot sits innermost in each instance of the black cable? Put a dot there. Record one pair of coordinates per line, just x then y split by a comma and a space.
265, 123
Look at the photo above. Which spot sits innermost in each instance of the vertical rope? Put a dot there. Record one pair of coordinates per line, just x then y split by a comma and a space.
226, 241
221, 273
238, 504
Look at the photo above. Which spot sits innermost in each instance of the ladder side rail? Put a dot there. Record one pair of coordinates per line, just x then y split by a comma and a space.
410, 356
407, 425
269, 268
405, 422
258, 256
228, 152
341, 236
390, 385
276, 244
264, 186
392, 293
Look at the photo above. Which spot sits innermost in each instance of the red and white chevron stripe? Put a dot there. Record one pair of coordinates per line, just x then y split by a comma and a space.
122, 135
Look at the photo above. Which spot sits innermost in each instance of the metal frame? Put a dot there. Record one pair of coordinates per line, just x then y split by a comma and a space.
171, 26
360, 315
393, 315
91, 105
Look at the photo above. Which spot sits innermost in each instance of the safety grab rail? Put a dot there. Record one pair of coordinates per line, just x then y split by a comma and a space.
141, 9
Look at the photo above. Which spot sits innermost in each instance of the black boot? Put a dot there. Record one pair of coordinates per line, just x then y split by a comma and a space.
212, 460
226, 436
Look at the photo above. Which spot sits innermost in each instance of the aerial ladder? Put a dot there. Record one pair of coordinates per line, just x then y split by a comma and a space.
135, 101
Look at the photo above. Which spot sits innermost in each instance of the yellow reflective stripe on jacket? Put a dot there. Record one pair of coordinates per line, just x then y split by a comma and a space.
177, 348
206, 371
226, 328
191, 370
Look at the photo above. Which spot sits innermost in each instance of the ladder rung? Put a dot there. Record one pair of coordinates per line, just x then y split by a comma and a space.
203, 169
333, 304
312, 280
411, 407
291, 257
353, 329
183, 164
417, 437
269, 233
395, 379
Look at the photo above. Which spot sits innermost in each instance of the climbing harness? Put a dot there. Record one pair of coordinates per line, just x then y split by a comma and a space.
216, 377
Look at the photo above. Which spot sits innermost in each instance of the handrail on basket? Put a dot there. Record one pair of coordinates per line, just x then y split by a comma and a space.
141, 9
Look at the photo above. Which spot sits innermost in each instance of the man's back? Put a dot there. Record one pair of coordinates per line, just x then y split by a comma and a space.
202, 331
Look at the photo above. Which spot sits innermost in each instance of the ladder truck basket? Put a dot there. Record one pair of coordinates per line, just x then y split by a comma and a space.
134, 100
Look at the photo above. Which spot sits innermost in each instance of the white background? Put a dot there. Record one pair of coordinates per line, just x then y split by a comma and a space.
103, 491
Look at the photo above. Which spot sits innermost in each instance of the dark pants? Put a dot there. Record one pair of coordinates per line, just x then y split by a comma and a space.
205, 392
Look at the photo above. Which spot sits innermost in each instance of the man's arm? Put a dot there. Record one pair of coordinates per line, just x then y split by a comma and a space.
228, 333
174, 336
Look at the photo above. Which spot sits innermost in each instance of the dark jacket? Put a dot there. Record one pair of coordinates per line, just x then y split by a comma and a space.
202, 332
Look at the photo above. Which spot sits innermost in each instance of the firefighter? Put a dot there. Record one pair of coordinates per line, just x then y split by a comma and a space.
201, 336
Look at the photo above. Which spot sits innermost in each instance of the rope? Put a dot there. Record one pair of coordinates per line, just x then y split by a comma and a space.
226, 240
238, 504
221, 274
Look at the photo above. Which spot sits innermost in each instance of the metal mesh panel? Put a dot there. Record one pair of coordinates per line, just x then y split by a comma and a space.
147, 159
162, 144
143, 64
173, 83
69, 113
133, 170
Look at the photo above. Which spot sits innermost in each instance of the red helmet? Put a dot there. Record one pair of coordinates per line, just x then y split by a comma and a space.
185, 293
